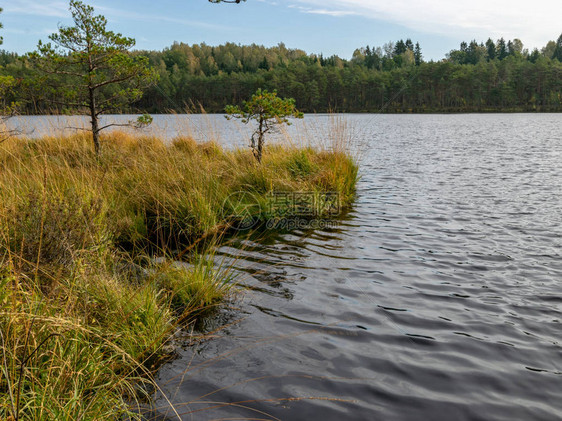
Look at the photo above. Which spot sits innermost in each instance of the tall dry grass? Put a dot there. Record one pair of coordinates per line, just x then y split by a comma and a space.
85, 312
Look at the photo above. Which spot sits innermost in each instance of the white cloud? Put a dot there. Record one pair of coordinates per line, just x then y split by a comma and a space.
30, 31
329, 12
534, 22
60, 9
128, 15
55, 8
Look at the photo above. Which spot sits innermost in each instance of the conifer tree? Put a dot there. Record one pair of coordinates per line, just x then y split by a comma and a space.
91, 68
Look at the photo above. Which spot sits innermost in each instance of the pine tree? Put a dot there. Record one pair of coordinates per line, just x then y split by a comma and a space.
501, 49
268, 110
491, 49
100, 74
510, 48
368, 57
264, 64
534, 56
558, 49
418, 54
399, 48
409, 44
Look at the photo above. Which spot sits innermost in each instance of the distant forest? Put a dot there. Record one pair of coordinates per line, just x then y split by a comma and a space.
477, 77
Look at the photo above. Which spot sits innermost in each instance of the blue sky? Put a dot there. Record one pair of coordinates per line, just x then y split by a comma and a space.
317, 26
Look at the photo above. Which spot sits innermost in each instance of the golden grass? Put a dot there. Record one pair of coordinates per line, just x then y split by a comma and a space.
85, 313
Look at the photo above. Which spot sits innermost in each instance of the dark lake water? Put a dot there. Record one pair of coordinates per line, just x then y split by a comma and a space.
437, 297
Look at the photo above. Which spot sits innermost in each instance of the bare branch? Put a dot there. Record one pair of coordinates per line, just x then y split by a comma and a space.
116, 125
112, 81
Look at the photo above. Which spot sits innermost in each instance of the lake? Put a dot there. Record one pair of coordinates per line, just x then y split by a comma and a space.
202, 127
438, 296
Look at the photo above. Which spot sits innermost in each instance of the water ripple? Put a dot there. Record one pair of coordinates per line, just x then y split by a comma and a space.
437, 297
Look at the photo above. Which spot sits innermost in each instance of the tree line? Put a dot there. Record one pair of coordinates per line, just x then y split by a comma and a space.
477, 77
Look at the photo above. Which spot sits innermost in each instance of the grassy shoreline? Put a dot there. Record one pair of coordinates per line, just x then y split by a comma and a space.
85, 312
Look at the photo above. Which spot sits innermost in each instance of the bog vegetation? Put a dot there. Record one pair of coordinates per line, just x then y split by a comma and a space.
85, 312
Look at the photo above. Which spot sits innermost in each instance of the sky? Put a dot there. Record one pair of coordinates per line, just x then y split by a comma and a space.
316, 26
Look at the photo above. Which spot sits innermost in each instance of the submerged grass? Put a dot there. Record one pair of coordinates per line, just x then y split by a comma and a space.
85, 311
